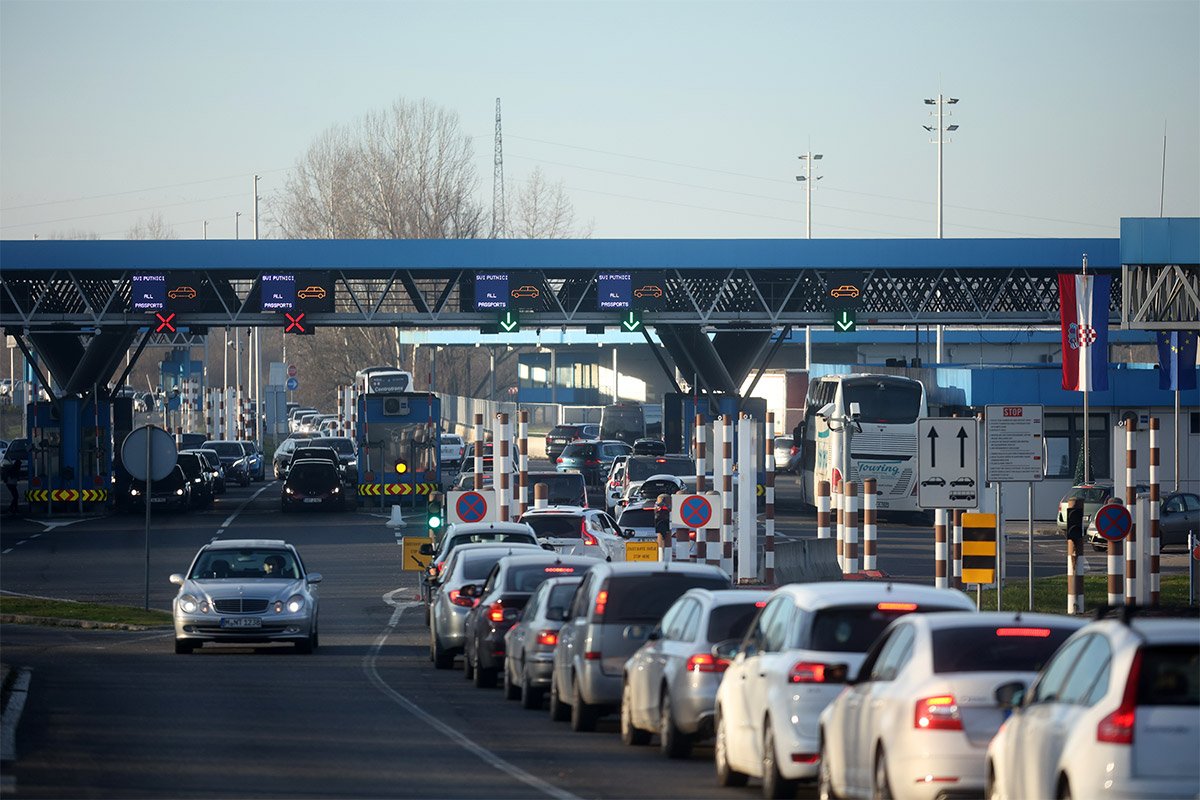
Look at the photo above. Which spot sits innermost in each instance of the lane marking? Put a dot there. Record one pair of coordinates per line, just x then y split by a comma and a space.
246, 502
485, 755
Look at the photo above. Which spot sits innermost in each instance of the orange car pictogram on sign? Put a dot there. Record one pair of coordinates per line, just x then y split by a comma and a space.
648, 291
845, 290
185, 292
526, 291
311, 292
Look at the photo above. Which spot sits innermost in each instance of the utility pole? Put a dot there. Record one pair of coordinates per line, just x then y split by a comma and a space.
807, 179
940, 139
237, 222
498, 216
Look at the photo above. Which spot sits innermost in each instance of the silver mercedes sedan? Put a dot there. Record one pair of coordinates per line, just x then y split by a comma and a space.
246, 591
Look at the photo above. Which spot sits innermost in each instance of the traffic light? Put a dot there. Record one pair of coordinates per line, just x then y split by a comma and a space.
433, 514
401, 466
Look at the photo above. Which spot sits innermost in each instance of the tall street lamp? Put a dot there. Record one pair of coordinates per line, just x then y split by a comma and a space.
807, 179
940, 139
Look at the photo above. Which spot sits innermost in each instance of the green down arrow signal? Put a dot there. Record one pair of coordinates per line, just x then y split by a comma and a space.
631, 322
510, 322
844, 322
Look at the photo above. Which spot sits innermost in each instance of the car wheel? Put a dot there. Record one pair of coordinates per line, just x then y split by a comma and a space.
880, 788
304, 645
559, 711
630, 734
468, 667
531, 697
726, 775
990, 790
583, 714
484, 678
774, 785
1064, 789
672, 742
511, 690
825, 789
441, 659
184, 646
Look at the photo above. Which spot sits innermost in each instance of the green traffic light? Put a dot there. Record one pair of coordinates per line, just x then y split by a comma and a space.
435, 522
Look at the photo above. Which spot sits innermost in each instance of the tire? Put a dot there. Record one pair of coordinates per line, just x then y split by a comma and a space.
559, 711
441, 659
672, 742
305, 645
583, 714
184, 646
825, 776
1064, 789
880, 788
990, 790
726, 775
512, 691
484, 678
531, 697
774, 785
468, 667
630, 734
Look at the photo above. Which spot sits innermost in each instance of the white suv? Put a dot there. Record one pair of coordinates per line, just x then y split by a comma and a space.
1114, 714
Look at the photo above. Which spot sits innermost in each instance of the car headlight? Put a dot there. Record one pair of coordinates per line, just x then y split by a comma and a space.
294, 604
337, 490
352, 463
179, 492
188, 604
288, 490
135, 492
197, 480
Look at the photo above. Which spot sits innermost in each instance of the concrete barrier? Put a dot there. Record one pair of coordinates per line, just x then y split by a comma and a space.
806, 561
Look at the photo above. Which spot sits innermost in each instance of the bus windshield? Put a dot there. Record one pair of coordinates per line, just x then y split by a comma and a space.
884, 401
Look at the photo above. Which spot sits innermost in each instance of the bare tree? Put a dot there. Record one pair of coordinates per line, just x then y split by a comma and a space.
73, 234
154, 227
543, 211
403, 173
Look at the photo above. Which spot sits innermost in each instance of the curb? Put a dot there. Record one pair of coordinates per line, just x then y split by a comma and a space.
57, 622
10, 717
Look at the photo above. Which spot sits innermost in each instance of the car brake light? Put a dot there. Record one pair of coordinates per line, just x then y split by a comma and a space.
1117, 727
794, 450
560, 570
588, 538
814, 672
1036, 633
547, 638
938, 713
706, 662
496, 612
760, 604
458, 600
558, 460
601, 602
592, 655
897, 606
660, 461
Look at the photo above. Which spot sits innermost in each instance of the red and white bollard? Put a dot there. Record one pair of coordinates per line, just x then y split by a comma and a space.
850, 527
870, 529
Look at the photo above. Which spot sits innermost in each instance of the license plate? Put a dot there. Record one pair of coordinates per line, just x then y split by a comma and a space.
158, 499
312, 499
241, 622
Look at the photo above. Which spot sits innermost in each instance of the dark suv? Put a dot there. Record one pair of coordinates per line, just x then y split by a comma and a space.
562, 435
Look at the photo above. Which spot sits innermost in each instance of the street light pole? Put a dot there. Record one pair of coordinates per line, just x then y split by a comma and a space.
939, 130
807, 179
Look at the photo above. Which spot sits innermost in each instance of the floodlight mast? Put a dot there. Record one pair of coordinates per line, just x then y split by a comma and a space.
807, 179
940, 129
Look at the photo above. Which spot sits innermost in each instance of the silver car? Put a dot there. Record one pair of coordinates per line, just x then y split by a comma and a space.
468, 563
671, 682
612, 613
529, 645
246, 591
575, 531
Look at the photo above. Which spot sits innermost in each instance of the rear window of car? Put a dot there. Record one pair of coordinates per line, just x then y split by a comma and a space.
853, 629
1170, 676
579, 451
1091, 494
556, 526
527, 577
995, 648
225, 449
490, 536
637, 518
562, 488
564, 431
340, 446
639, 469
477, 567
731, 621
645, 598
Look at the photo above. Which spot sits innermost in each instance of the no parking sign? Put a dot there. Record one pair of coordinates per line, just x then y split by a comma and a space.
1113, 522
696, 511
475, 505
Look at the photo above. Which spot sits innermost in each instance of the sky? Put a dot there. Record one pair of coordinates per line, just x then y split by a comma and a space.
659, 119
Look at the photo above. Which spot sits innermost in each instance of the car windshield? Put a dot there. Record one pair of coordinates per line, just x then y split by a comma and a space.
645, 598
883, 400
225, 449
562, 488
229, 564
310, 476
527, 577
852, 629
992, 648
638, 469
211, 458
343, 447
731, 621
1091, 494
489, 536
555, 526
322, 453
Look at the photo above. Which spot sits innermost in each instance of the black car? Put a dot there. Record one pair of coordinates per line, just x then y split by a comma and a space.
501, 598
306, 453
199, 476
562, 435
23, 449
313, 483
174, 491
214, 465
234, 459
347, 456
562, 488
282, 459
649, 447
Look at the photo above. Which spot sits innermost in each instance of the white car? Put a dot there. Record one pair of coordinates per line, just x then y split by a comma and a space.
792, 663
1115, 714
451, 447
917, 720
576, 531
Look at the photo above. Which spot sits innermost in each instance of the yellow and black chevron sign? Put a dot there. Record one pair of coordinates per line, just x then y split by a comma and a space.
394, 489
66, 495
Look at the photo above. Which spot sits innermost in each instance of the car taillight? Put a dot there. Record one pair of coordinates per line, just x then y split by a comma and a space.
815, 672
591, 462
458, 600
588, 538
706, 662
794, 450
938, 713
558, 460
601, 602
496, 612
1036, 633
906, 607
1117, 727
547, 638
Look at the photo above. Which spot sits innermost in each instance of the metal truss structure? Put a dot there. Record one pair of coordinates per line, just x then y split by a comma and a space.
1160, 297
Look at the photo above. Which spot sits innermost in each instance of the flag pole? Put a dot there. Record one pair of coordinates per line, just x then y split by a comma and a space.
1177, 429
1087, 461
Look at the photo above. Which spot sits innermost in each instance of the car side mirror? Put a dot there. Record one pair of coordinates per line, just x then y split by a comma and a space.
176, 579
727, 650
425, 549
1010, 695
314, 577
654, 635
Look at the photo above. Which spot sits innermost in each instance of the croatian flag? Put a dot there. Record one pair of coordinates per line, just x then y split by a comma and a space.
1177, 360
1083, 310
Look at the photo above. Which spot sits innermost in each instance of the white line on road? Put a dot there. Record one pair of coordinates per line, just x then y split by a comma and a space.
242, 507
485, 755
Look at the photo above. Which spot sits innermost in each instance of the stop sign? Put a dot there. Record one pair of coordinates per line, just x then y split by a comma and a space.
291, 370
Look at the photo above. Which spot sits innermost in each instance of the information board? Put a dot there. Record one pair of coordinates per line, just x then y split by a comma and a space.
148, 293
1015, 448
491, 291
278, 292
614, 291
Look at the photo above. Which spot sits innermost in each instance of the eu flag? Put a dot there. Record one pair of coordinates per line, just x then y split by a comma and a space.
1177, 360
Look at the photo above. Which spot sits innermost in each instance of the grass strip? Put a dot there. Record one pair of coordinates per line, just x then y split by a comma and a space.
88, 612
1050, 594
